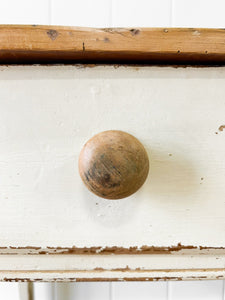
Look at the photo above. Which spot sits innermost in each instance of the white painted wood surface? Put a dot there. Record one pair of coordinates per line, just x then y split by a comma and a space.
198, 14
49, 112
24, 12
45, 291
62, 268
9, 291
196, 290
26, 290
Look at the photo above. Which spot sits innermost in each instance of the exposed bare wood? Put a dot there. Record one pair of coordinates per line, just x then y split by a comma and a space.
178, 249
49, 44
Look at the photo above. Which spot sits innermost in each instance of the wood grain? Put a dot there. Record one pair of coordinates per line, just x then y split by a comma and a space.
113, 164
55, 44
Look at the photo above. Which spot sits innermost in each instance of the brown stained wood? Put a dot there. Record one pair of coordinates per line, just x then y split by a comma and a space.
55, 44
113, 164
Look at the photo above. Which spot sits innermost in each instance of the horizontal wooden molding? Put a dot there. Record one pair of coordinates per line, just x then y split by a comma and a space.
115, 275
55, 44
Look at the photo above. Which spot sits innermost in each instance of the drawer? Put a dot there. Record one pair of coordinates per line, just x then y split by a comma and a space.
171, 228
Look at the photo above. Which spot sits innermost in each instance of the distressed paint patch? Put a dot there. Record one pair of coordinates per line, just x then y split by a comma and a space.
31, 250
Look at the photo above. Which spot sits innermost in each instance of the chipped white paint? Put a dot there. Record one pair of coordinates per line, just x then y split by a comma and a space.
48, 113
111, 276
118, 267
110, 262
196, 33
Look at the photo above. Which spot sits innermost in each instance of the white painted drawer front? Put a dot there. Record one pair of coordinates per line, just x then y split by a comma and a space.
47, 113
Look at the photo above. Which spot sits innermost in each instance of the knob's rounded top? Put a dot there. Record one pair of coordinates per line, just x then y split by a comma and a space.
113, 164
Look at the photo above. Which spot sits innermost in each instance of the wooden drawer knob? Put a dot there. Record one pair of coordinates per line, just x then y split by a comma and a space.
113, 164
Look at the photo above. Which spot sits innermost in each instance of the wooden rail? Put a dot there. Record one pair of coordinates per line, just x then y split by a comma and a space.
56, 44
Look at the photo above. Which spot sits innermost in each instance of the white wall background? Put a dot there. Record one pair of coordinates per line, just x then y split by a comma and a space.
117, 13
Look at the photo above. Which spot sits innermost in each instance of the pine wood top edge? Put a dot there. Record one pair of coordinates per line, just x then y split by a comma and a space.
58, 44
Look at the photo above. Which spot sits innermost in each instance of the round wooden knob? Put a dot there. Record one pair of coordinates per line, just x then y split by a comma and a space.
113, 164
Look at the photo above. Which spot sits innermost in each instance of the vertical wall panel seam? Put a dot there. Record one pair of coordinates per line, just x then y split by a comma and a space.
172, 13
169, 290
50, 12
110, 13
223, 292
54, 291
111, 291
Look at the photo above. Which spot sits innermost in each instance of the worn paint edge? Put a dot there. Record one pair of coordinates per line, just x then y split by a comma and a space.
158, 275
179, 248
135, 65
113, 270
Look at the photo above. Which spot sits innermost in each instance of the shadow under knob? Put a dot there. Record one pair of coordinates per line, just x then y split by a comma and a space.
113, 164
